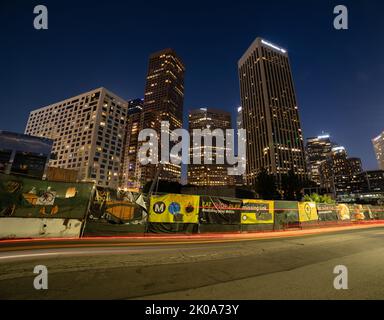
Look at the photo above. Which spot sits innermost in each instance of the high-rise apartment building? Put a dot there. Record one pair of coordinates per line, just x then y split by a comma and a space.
209, 174
318, 150
338, 171
270, 112
130, 164
88, 133
163, 101
378, 145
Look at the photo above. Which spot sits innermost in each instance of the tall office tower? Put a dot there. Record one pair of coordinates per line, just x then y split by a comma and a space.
378, 145
88, 133
240, 179
270, 112
355, 166
338, 171
129, 168
239, 119
163, 101
209, 174
317, 150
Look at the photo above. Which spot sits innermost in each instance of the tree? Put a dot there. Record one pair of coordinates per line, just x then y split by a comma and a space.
291, 186
265, 186
314, 197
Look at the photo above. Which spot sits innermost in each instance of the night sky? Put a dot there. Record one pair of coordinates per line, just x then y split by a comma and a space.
338, 74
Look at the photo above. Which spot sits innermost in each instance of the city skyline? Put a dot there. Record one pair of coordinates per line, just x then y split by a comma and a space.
327, 58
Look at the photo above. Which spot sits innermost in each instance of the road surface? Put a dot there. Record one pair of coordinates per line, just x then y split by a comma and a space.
217, 268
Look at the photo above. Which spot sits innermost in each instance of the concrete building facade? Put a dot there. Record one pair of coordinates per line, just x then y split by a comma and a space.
88, 132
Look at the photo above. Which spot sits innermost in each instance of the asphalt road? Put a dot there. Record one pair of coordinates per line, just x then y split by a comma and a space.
281, 268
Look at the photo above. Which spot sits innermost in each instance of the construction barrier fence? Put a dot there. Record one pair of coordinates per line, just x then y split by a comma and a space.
88, 210
179, 213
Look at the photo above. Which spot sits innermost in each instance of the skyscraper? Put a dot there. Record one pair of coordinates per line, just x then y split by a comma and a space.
270, 112
317, 150
163, 101
208, 174
378, 145
130, 163
337, 172
240, 179
88, 133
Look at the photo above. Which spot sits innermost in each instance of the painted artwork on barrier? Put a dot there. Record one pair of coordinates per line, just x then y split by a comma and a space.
308, 212
343, 212
116, 206
30, 198
357, 212
257, 212
174, 208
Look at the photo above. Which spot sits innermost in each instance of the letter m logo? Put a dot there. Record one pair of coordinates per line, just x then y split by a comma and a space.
159, 207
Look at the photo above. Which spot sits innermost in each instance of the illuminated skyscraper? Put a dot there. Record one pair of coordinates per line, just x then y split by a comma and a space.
208, 174
163, 101
318, 149
270, 112
337, 172
130, 163
378, 145
240, 180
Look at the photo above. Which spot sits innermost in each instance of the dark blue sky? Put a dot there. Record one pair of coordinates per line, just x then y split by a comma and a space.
338, 74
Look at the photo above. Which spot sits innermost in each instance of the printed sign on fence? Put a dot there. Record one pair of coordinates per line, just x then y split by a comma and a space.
257, 212
174, 208
220, 210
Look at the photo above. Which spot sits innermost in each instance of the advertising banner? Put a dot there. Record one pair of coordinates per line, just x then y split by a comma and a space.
308, 212
174, 208
257, 212
219, 210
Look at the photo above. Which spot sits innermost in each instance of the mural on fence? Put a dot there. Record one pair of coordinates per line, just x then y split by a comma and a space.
343, 212
174, 208
30, 198
308, 212
116, 206
257, 212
